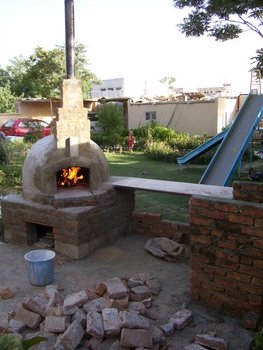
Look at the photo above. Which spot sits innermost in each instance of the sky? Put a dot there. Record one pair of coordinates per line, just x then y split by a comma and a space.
137, 40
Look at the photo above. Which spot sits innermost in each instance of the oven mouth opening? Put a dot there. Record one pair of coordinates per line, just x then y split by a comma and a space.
74, 176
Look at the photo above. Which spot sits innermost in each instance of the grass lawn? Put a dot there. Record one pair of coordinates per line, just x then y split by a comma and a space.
172, 207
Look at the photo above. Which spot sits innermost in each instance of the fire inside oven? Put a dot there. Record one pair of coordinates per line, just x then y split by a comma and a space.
74, 176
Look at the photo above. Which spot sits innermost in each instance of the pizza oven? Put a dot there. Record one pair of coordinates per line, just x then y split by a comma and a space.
67, 191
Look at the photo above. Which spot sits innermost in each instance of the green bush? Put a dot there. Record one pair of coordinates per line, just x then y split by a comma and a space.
161, 151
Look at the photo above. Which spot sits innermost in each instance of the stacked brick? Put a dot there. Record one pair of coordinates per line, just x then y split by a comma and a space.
153, 225
116, 315
227, 251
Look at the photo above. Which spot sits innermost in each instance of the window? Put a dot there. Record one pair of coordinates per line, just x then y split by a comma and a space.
150, 115
103, 89
110, 89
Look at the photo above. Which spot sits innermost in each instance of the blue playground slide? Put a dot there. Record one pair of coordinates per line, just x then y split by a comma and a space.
230, 152
198, 151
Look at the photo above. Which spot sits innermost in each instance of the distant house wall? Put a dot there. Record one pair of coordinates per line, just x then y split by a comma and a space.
5, 116
226, 112
193, 117
44, 109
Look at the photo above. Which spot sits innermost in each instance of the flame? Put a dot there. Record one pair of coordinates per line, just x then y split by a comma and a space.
69, 176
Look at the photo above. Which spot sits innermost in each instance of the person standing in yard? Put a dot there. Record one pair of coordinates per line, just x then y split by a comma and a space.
131, 141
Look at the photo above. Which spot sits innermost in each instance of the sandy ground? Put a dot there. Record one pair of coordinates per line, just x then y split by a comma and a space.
126, 257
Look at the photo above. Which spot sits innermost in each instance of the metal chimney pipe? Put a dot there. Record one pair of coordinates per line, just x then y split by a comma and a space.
70, 38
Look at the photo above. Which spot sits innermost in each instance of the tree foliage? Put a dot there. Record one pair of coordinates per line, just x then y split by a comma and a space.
7, 100
40, 74
110, 120
223, 20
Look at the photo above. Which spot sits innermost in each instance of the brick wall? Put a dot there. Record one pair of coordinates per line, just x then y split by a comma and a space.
227, 250
154, 225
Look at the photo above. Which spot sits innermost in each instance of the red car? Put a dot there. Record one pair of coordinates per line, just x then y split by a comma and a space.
25, 126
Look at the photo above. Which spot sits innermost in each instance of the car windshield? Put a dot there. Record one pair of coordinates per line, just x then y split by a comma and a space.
9, 123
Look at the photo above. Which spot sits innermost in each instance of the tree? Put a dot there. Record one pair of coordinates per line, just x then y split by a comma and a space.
41, 74
170, 81
223, 20
110, 120
7, 100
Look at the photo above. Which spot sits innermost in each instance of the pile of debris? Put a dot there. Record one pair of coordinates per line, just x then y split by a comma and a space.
116, 315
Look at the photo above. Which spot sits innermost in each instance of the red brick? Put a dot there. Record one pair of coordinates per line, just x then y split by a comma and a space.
255, 300
201, 221
252, 231
250, 321
226, 282
258, 243
258, 264
204, 230
212, 286
213, 214
237, 294
259, 222
252, 252
200, 259
240, 219
245, 260
224, 299
257, 281
200, 239
251, 288
239, 276
252, 271
217, 232
227, 244
228, 265
211, 303
226, 207
211, 342
241, 195
220, 272
254, 211
199, 202
237, 237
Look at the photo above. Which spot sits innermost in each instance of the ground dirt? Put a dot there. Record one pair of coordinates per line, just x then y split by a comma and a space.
126, 257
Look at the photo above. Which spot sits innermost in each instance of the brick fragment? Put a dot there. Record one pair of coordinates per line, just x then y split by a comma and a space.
140, 293
167, 328
154, 285
76, 299
96, 305
71, 338
6, 293
111, 322
120, 303
55, 324
36, 304
132, 319
16, 326
137, 306
157, 334
181, 318
101, 289
194, 347
211, 341
250, 320
79, 315
31, 319
136, 338
116, 288
94, 325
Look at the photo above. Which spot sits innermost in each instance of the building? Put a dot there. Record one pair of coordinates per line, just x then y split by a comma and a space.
110, 88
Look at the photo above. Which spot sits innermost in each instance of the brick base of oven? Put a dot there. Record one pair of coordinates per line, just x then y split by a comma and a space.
77, 230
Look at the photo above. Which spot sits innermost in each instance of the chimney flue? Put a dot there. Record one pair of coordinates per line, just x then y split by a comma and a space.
70, 38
